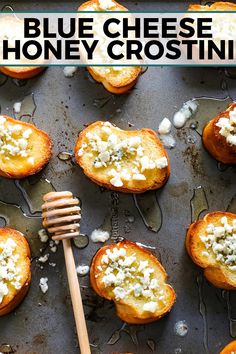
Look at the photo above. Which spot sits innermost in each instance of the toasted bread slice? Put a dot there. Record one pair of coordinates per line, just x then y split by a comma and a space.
24, 149
126, 161
134, 279
115, 80
230, 348
217, 144
9, 26
211, 244
15, 272
22, 72
217, 6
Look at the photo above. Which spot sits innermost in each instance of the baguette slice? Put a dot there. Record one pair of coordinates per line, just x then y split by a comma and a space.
215, 143
117, 81
16, 294
22, 72
217, 6
230, 348
129, 165
139, 262
216, 271
9, 26
38, 149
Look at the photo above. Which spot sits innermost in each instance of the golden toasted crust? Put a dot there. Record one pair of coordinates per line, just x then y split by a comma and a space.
22, 72
40, 148
18, 72
15, 296
230, 348
215, 143
217, 6
114, 82
155, 178
129, 309
217, 273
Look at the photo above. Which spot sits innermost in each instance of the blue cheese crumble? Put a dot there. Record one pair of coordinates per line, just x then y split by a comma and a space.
228, 127
14, 139
9, 269
130, 277
221, 240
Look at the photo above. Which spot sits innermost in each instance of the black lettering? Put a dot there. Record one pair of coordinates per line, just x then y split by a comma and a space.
27, 54
184, 25
166, 28
69, 49
189, 44
83, 27
110, 50
148, 28
7, 50
46, 30
134, 48
214, 49
148, 47
127, 28
31, 25
201, 49
89, 49
201, 27
61, 31
173, 46
106, 28
49, 48
230, 49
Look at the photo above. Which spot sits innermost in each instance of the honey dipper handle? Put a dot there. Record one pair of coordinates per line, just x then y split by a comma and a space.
76, 298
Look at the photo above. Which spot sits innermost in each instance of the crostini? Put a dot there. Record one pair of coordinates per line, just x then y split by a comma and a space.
216, 6
230, 348
15, 272
134, 279
117, 80
126, 161
9, 27
24, 149
219, 136
211, 243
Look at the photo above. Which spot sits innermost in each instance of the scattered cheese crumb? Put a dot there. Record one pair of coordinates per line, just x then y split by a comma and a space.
43, 284
44, 259
185, 112
181, 328
69, 71
43, 235
164, 126
168, 141
17, 107
82, 269
99, 235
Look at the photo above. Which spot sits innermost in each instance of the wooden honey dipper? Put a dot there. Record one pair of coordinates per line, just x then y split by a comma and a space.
61, 216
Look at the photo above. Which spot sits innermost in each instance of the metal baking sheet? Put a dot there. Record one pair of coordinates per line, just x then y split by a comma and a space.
44, 324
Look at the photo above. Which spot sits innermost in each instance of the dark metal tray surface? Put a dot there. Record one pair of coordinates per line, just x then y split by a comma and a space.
44, 324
